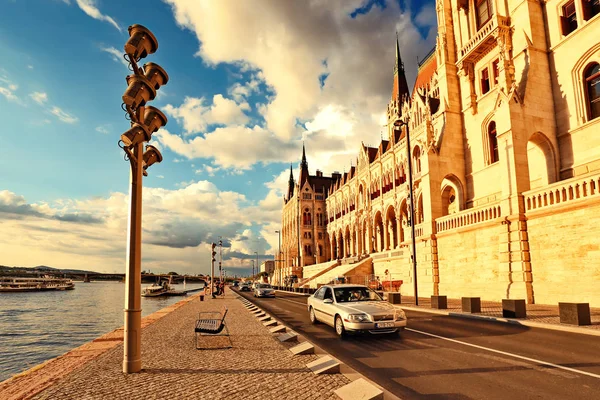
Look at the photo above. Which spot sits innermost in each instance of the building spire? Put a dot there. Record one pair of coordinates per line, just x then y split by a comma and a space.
291, 183
400, 89
304, 155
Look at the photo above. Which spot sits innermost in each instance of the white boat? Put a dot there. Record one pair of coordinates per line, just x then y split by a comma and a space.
161, 289
10, 284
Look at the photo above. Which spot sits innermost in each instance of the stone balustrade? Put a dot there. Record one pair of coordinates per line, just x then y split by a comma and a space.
468, 217
562, 192
483, 36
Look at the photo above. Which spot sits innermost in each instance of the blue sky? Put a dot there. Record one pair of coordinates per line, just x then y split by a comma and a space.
249, 83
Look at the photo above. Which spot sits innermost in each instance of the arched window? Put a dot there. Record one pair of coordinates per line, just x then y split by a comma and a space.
591, 78
493, 143
417, 159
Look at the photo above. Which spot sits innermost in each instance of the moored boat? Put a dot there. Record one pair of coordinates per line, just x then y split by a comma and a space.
11, 284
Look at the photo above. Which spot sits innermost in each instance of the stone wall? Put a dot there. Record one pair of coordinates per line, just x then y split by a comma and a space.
468, 260
565, 253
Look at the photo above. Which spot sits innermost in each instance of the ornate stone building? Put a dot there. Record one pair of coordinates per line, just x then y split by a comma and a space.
504, 125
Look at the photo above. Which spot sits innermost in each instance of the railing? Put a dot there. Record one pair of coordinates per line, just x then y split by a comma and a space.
562, 192
468, 217
483, 34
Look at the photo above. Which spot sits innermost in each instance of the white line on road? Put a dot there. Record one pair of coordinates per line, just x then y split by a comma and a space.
533, 360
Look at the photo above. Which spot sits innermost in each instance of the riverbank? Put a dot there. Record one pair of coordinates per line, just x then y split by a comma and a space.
29, 383
258, 365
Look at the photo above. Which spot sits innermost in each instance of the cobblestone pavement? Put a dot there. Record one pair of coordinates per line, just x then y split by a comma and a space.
541, 313
257, 367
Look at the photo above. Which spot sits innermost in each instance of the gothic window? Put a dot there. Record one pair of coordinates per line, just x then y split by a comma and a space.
496, 72
320, 250
484, 12
320, 235
493, 143
591, 76
485, 81
568, 20
590, 8
417, 159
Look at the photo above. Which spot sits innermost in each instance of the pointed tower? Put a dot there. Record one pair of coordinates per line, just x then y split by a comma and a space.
399, 93
291, 184
400, 89
303, 168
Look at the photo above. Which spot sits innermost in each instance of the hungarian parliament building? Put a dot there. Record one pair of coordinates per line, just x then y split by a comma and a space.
499, 140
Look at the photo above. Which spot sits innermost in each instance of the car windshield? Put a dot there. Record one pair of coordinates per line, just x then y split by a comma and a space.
351, 294
263, 286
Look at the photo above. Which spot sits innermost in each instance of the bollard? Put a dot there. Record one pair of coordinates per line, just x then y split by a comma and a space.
514, 308
439, 302
394, 298
575, 313
471, 304
201, 297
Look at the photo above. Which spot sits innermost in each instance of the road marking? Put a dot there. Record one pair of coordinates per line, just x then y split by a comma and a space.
533, 360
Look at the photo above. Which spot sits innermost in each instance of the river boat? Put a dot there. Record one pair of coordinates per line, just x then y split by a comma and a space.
11, 284
163, 288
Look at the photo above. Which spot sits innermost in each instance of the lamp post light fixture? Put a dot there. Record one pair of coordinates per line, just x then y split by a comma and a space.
279, 255
141, 88
399, 124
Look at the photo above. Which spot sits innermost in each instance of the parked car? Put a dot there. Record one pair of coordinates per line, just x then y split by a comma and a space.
354, 308
245, 287
264, 290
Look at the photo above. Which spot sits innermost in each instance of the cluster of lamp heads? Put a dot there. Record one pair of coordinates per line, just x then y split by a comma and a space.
142, 87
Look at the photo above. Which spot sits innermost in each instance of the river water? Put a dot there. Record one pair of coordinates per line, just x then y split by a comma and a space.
38, 326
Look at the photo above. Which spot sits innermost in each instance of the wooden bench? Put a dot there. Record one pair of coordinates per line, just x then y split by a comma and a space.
212, 326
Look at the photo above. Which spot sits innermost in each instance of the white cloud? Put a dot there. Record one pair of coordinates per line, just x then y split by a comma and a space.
63, 115
103, 129
89, 7
195, 116
8, 94
178, 224
30, 66
7, 89
39, 97
116, 55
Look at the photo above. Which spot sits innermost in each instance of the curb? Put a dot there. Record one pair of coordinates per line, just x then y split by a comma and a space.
297, 294
512, 321
348, 372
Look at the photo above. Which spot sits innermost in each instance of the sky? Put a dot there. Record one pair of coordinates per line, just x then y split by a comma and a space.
249, 83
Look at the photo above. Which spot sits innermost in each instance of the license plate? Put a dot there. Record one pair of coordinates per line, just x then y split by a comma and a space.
384, 325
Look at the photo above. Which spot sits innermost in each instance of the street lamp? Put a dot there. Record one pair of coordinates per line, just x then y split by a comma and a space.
399, 124
141, 88
279, 255
257, 264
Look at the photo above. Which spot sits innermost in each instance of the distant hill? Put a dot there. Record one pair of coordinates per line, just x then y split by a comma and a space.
43, 269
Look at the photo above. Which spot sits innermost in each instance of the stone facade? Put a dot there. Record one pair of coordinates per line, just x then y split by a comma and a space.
503, 124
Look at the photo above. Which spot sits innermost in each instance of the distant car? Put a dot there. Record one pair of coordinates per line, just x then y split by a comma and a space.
354, 308
264, 290
235, 283
245, 287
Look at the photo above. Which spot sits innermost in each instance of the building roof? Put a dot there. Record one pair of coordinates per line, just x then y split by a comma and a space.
427, 68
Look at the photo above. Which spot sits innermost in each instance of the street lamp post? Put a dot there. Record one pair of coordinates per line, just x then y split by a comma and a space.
257, 264
145, 120
399, 124
279, 255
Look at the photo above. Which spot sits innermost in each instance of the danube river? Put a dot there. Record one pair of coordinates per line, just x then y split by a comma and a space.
38, 326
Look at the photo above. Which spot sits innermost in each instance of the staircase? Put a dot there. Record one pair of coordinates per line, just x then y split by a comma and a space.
328, 267
363, 267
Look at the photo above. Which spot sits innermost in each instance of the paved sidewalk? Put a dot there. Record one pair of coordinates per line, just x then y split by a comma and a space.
536, 313
257, 367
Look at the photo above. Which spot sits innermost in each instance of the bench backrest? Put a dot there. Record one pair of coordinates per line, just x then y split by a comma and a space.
223, 314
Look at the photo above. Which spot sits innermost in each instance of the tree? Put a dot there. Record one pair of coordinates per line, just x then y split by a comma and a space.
172, 273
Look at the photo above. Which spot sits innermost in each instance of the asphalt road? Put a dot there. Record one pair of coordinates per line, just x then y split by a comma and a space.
441, 357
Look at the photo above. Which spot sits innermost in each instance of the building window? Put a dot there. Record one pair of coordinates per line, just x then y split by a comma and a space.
591, 76
484, 12
568, 20
496, 72
306, 196
590, 8
485, 80
493, 143
417, 159
320, 235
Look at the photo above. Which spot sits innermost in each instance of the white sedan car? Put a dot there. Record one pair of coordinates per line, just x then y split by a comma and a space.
263, 290
354, 308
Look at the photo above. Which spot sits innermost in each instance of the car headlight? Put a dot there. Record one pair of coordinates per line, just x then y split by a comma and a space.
400, 315
358, 318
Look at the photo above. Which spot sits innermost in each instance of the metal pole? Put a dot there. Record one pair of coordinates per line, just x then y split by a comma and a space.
132, 355
212, 273
412, 214
279, 254
220, 257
